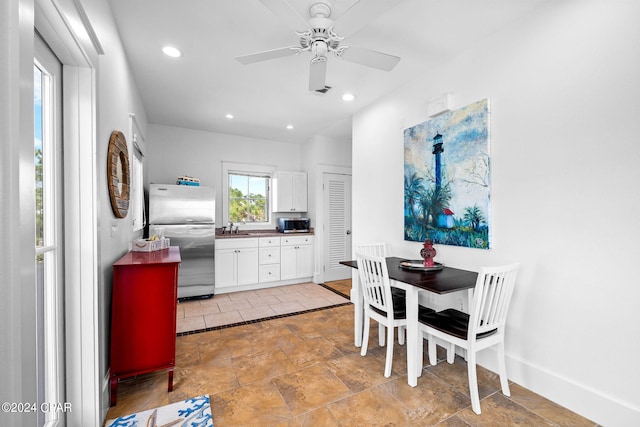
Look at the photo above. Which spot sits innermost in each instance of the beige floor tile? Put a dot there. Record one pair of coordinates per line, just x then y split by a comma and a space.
242, 296
497, 410
546, 408
278, 290
290, 296
261, 365
261, 301
371, 407
258, 404
310, 388
219, 319
190, 324
191, 310
254, 313
227, 306
287, 307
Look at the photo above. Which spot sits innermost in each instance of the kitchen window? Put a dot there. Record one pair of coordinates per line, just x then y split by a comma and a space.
247, 195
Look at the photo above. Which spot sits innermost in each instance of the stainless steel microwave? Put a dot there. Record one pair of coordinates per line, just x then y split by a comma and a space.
294, 225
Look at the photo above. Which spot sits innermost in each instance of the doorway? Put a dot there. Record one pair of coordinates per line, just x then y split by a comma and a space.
337, 230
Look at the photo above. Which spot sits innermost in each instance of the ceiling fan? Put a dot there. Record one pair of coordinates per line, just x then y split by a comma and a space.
320, 39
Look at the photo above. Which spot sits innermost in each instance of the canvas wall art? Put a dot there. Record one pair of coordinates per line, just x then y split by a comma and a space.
447, 178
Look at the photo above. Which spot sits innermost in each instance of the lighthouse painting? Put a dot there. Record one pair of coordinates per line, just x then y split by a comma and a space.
447, 178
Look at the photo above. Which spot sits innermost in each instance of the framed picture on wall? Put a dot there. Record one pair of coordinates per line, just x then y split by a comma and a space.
447, 178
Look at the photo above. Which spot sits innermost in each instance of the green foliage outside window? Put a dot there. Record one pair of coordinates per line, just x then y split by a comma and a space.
248, 197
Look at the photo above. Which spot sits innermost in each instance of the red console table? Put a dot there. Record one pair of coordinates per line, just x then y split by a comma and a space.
143, 315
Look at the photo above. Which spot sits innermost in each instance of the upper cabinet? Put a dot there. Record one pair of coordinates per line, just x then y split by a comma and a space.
289, 192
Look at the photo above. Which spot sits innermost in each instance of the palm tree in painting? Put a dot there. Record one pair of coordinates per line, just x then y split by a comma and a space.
413, 193
440, 201
474, 216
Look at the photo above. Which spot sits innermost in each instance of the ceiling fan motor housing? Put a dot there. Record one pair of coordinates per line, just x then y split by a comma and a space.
320, 9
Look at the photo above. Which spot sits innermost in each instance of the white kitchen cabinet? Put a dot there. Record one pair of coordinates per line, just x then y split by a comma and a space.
289, 192
237, 262
269, 259
296, 257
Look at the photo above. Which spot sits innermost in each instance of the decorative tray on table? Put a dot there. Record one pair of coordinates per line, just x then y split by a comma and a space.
418, 264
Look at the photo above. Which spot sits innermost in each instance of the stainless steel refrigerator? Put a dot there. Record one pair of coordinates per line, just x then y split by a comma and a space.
186, 215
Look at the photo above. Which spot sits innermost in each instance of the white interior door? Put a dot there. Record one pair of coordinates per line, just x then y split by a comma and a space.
337, 230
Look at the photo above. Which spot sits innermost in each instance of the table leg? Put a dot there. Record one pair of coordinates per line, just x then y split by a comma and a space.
412, 335
358, 310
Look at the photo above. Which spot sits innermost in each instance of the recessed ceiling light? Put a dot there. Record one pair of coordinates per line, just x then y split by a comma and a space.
229, 116
348, 97
171, 51
289, 126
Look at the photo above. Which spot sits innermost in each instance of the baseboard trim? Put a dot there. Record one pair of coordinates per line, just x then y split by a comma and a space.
593, 404
106, 397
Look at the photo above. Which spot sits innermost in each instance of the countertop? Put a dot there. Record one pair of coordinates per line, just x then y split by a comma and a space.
272, 232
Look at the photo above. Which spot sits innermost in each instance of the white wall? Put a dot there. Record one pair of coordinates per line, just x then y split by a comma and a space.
174, 152
17, 292
117, 97
565, 101
326, 151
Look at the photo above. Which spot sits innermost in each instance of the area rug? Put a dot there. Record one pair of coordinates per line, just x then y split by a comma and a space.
194, 412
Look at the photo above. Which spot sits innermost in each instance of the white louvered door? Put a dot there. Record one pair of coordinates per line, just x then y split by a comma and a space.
337, 233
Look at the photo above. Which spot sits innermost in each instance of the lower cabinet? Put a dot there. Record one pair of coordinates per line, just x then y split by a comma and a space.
243, 262
269, 259
296, 257
236, 262
143, 315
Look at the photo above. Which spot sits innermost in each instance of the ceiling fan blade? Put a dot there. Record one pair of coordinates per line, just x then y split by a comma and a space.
267, 54
287, 14
360, 14
317, 73
370, 58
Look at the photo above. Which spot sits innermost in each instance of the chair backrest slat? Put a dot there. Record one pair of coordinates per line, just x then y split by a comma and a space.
372, 249
491, 298
374, 281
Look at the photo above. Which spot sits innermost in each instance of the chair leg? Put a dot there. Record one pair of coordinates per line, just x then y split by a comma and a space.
401, 334
420, 352
502, 370
451, 353
473, 381
381, 333
365, 335
433, 360
387, 365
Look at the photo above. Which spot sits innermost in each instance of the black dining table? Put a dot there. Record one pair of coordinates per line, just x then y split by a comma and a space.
442, 281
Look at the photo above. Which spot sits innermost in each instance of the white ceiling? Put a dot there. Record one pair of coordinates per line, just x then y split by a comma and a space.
199, 89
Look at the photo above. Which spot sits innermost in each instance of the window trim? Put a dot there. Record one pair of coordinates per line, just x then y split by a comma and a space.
138, 213
246, 169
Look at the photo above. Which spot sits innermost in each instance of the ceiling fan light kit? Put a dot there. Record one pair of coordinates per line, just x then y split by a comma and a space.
319, 39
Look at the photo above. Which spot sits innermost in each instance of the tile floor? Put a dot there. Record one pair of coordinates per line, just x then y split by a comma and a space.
304, 370
247, 306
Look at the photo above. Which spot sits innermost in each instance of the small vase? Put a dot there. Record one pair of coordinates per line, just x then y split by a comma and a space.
428, 252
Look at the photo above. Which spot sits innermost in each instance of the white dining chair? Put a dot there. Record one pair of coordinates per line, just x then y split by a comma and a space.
482, 328
378, 249
378, 303
374, 249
